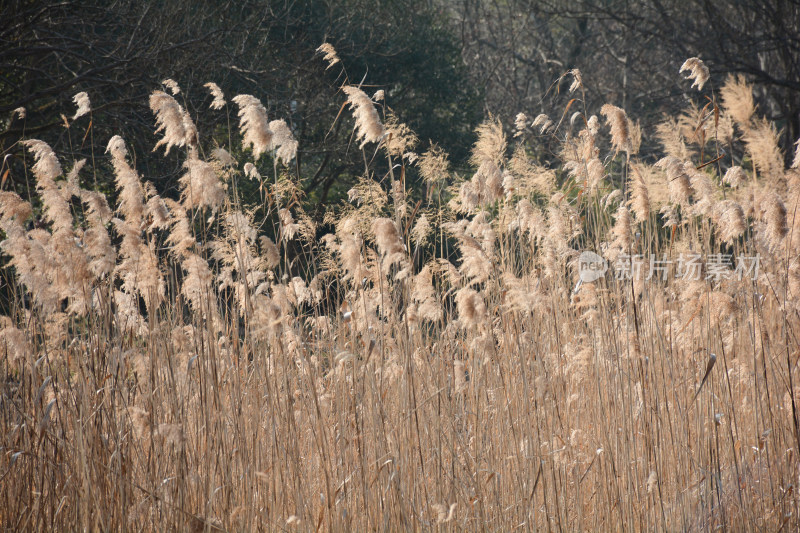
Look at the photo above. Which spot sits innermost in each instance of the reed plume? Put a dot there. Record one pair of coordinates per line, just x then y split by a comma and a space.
737, 100
84, 105
620, 131
219, 97
179, 129
253, 124
368, 124
328, 54
698, 72
464, 339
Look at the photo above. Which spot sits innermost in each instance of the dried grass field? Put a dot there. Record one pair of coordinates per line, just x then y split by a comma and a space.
426, 357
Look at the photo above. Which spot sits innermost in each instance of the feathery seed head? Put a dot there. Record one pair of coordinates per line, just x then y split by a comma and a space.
223, 157
471, 307
12, 206
796, 162
387, 237
577, 80
399, 138
251, 171
697, 72
434, 164
737, 100
640, 196
491, 144
116, 146
328, 54
253, 124
669, 136
520, 124
774, 214
680, 188
173, 120
593, 125
84, 106
200, 185
761, 141
172, 85
730, 220
47, 166
282, 141
620, 132
735, 176
623, 235
219, 97
543, 122
368, 123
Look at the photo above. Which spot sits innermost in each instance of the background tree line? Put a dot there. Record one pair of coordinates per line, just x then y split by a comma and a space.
443, 65
120, 51
629, 53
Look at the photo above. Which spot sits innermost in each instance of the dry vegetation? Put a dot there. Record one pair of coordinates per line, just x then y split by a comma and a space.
433, 362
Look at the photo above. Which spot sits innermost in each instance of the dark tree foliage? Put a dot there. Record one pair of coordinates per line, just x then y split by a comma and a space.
119, 51
630, 53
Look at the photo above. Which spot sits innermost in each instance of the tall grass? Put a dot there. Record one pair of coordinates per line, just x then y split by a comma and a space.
436, 361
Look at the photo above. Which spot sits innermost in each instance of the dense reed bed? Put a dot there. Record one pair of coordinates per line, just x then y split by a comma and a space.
429, 359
